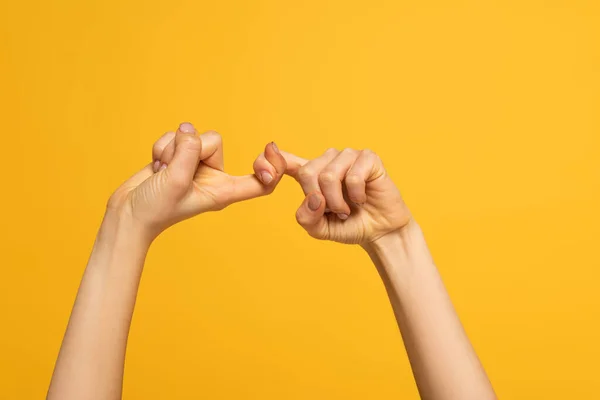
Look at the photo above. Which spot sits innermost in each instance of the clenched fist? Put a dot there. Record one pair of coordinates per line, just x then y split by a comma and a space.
350, 198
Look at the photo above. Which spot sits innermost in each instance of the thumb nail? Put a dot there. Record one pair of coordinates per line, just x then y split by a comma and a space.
186, 127
314, 202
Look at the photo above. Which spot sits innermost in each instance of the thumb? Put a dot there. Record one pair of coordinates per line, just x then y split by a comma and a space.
181, 170
311, 216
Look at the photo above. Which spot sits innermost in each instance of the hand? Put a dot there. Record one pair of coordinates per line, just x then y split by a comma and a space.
349, 196
187, 178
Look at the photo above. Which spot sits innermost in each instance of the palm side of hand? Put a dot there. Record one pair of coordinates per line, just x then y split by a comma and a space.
159, 201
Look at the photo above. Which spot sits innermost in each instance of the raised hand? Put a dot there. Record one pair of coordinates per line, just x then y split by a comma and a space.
187, 178
349, 196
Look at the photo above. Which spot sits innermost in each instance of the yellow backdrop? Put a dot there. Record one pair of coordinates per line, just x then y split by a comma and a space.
486, 114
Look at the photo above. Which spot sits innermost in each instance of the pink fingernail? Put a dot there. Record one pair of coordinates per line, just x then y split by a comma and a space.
343, 216
275, 148
186, 127
163, 166
156, 166
266, 178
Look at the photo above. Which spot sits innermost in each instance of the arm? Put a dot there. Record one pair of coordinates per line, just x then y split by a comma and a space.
91, 359
185, 179
443, 361
351, 199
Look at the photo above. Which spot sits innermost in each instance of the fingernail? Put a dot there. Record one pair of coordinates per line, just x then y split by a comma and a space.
275, 148
163, 166
266, 178
343, 216
186, 127
156, 166
314, 202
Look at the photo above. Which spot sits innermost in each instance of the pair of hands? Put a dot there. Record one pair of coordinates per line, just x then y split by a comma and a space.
349, 197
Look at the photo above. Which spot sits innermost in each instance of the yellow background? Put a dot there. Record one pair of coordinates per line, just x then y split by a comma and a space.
486, 113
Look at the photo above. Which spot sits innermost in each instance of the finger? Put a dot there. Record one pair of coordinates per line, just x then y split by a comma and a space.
169, 150
181, 170
159, 147
212, 147
274, 156
167, 155
293, 163
270, 166
330, 182
308, 174
264, 170
250, 186
366, 168
212, 150
247, 187
311, 215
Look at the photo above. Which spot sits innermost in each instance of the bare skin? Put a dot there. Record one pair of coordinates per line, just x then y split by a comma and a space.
186, 178
349, 198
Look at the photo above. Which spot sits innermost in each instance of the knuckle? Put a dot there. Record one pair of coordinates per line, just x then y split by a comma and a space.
368, 152
305, 172
332, 150
326, 177
371, 155
349, 150
216, 135
353, 179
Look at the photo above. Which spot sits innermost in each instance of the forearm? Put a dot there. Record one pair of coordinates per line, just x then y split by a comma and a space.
444, 363
91, 360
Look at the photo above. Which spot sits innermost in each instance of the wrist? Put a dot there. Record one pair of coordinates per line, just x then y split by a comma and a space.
400, 250
121, 232
399, 239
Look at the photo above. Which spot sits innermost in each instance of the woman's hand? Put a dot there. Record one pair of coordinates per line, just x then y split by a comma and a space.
349, 196
351, 199
187, 178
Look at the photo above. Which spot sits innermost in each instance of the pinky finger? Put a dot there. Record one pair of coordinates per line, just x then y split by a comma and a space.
264, 170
